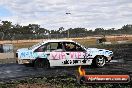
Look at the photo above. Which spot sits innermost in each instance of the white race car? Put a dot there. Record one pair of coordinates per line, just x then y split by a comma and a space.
62, 53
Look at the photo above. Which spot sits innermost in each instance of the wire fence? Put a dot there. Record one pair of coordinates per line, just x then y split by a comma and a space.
39, 36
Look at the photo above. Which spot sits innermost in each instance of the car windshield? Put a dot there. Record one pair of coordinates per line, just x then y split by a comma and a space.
35, 45
81, 45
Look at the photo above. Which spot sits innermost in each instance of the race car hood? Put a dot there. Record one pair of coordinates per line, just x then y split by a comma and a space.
97, 51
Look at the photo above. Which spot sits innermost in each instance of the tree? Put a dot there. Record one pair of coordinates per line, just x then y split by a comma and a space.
5, 28
99, 31
126, 29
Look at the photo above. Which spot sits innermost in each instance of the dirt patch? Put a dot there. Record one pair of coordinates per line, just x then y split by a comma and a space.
7, 60
6, 55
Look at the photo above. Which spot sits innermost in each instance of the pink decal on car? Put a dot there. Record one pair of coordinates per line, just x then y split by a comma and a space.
72, 55
54, 55
79, 54
63, 56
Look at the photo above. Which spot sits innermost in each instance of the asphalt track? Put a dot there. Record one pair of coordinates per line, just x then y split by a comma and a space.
14, 71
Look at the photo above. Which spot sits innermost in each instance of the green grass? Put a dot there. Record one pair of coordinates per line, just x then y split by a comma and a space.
62, 81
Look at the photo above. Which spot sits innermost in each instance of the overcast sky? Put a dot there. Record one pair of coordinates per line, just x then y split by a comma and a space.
51, 14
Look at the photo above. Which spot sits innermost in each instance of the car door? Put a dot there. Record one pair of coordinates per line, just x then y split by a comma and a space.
75, 54
53, 51
57, 53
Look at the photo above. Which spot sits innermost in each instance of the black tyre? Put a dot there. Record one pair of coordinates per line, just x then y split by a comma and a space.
99, 61
41, 63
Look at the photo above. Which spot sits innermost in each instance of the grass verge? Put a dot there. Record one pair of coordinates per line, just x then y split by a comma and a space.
62, 81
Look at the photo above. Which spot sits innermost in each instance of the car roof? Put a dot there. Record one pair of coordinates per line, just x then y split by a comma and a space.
58, 40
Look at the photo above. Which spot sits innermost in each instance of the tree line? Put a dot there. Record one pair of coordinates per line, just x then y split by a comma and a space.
8, 31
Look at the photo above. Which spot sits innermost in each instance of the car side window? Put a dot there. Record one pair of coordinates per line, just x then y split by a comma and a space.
72, 47
56, 47
52, 46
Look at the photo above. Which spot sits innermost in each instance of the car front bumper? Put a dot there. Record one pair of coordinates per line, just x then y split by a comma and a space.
110, 58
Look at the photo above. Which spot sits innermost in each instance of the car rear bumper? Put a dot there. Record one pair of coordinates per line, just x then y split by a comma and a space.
24, 61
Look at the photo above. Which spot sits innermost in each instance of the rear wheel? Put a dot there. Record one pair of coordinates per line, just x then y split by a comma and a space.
99, 61
41, 63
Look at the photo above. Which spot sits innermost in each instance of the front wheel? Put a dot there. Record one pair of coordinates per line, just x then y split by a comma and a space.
41, 63
99, 61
